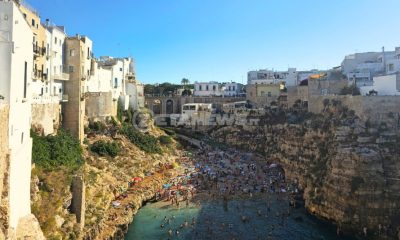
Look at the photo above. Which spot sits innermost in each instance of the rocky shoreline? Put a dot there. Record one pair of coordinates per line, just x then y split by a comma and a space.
143, 192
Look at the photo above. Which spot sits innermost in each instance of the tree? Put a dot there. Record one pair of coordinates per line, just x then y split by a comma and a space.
185, 81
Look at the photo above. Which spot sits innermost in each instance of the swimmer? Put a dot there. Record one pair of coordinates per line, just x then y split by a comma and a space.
162, 226
170, 232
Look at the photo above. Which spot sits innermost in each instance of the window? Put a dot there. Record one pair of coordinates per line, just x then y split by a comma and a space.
72, 52
120, 69
33, 22
115, 82
54, 90
55, 40
269, 94
25, 15
22, 137
391, 67
233, 88
25, 78
71, 69
199, 87
207, 87
214, 88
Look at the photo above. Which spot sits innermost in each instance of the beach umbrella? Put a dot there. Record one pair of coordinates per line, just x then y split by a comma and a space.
137, 179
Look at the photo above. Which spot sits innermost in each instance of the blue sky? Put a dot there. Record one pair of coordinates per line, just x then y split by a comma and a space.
220, 40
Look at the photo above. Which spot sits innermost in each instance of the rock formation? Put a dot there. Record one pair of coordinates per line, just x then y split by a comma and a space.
349, 169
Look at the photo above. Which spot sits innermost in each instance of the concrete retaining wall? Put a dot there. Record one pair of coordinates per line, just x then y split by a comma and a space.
100, 106
46, 117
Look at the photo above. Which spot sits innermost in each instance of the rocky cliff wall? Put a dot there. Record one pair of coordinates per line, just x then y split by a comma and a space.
349, 168
4, 166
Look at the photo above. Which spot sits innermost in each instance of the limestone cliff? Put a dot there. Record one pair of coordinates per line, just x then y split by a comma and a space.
104, 178
349, 169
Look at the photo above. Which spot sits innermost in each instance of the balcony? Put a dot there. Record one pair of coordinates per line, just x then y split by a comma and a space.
130, 77
61, 76
37, 74
38, 51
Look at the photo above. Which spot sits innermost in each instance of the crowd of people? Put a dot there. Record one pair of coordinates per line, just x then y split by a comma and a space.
211, 174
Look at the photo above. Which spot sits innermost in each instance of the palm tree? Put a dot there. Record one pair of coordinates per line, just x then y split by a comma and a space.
185, 81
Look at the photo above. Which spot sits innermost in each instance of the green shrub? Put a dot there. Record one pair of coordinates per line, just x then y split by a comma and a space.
120, 111
104, 148
54, 151
97, 126
145, 142
166, 140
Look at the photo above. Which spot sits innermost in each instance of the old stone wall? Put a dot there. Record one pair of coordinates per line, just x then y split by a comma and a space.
4, 168
46, 118
100, 106
297, 93
375, 108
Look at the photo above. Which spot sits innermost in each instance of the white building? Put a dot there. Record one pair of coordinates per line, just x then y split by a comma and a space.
55, 66
232, 89
387, 85
120, 68
135, 91
101, 81
265, 76
117, 75
361, 68
16, 60
207, 89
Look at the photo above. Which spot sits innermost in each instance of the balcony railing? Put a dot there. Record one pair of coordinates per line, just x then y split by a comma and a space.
37, 74
39, 51
61, 76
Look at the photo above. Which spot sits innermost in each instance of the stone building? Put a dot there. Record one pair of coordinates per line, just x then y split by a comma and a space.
113, 82
78, 58
262, 95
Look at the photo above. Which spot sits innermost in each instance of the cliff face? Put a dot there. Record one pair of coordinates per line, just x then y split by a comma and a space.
104, 178
349, 169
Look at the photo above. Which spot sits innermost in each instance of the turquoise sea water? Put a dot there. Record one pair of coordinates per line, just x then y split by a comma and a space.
216, 220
